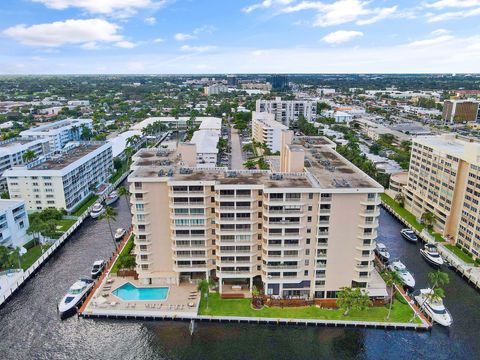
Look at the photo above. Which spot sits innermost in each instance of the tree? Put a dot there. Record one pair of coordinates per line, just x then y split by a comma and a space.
123, 191
132, 140
250, 164
86, 133
437, 278
428, 219
109, 215
36, 227
204, 288
400, 199
28, 156
390, 278
352, 299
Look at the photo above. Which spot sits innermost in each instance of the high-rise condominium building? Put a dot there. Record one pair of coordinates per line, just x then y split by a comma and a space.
279, 82
64, 180
444, 179
13, 223
266, 130
456, 111
306, 230
286, 111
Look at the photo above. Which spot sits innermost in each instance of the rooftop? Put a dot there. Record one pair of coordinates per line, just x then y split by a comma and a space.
171, 119
206, 141
268, 120
452, 144
11, 144
56, 126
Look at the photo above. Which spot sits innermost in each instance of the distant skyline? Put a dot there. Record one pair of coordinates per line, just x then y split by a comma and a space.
239, 36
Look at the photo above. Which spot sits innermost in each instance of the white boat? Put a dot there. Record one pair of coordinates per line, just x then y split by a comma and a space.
430, 253
434, 308
119, 234
97, 210
97, 268
382, 252
75, 295
111, 198
409, 234
402, 272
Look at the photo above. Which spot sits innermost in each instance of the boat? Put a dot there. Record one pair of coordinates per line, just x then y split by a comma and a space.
434, 308
402, 272
74, 297
111, 198
409, 234
430, 253
119, 234
97, 268
382, 252
97, 210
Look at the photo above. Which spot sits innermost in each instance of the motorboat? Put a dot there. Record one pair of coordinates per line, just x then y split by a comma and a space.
97, 268
111, 198
430, 253
119, 234
382, 252
409, 235
74, 297
97, 210
433, 307
402, 272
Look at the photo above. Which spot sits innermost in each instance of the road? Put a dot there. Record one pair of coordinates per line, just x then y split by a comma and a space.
237, 161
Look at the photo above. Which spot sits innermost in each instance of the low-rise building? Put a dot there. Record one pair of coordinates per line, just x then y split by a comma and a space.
62, 180
202, 149
13, 223
287, 111
396, 184
266, 130
59, 133
455, 111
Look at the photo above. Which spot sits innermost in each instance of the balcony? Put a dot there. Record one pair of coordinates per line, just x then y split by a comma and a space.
280, 267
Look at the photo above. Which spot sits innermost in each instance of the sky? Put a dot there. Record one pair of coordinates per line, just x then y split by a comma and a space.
239, 36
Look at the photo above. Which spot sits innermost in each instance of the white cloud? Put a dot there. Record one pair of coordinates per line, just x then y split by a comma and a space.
125, 44
439, 32
433, 41
380, 15
260, 52
159, 40
92, 45
125, 7
87, 32
204, 29
265, 5
150, 20
183, 37
199, 49
442, 4
452, 15
341, 36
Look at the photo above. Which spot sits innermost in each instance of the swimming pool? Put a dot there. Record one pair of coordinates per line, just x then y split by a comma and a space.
129, 292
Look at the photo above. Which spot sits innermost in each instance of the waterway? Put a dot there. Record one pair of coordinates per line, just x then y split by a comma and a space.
30, 327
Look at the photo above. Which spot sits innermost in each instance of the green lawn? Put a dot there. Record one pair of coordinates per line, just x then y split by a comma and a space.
32, 255
401, 312
65, 224
85, 205
124, 253
465, 257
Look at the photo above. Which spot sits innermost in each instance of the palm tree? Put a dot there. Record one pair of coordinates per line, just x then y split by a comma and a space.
390, 278
123, 191
109, 215
428, 219
204, 287
132, 140
437, 278
400, 199
28, 156
352, 299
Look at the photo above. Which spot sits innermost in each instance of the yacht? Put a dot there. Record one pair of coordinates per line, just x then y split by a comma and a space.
409, 234
434, 308
97, 268
430, 253
111, 198
75, 295
382, 252
402, 273
97, 210
119, 234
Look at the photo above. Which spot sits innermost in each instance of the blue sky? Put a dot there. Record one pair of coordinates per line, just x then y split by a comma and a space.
238, 36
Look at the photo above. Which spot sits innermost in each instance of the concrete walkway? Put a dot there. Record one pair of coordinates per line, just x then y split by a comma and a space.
237, 160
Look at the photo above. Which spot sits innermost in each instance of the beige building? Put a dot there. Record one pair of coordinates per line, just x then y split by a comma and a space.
306, 231
266, 130
397, 183
457, 111
444, 178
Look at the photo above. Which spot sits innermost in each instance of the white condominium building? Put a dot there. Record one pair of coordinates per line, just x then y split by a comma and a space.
58, 133
266, 130
62, 181
286, 111
444, 179
304, 232
202, 150
215, 89
13, 223
11, 154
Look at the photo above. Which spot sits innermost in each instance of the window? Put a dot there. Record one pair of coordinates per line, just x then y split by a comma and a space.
139, 207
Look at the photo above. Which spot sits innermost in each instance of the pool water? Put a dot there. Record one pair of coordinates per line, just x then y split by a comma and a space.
129, 292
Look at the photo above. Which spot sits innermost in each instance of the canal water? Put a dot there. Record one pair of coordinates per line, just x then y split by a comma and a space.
30, 327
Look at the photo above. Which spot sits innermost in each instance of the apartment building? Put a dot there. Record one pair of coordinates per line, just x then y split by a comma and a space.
59, 133
305, 231
444, 179
266, 130
13, 223
456, 111
215, 89
63, 180
12, 150
287, 111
